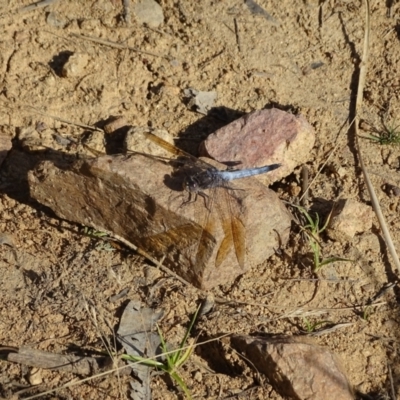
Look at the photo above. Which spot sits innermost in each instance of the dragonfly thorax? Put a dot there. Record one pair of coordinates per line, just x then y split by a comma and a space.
190, 184
203, 180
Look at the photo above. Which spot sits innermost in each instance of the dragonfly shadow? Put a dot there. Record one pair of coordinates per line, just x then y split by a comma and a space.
217, 117
176, 180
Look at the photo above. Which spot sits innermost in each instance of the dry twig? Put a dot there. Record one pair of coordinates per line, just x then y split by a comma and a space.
127, 12
117, 45
37, 5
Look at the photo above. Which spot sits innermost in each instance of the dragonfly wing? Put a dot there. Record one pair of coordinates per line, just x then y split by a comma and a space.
234, 234
209, 224
206, 242
226, 244
239, 240
175, 150
237, 224
233, 227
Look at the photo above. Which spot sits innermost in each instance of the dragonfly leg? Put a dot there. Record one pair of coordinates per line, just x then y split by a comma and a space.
206, 199
189, 200
202, 194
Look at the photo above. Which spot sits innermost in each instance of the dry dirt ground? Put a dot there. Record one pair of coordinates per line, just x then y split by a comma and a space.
308, 64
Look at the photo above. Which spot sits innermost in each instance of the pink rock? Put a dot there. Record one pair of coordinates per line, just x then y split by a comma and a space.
260, 138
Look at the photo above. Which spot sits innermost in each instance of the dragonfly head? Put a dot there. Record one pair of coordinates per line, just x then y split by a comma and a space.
190, 184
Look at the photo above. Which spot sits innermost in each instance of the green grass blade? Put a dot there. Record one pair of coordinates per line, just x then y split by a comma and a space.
185, 338
141, 360
181, 384
330, 260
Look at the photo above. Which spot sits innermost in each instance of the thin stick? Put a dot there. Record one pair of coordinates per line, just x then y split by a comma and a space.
393, 393
359, 100
237, 34
36, 6
92, 128
299, 312
127, 12
117, 45
304, 185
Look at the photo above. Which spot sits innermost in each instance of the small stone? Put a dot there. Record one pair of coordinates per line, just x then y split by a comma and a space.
95, 143
348, 218
202, 102
342, 172
396, 191
49, 80
75, 65
149, 12
198, 376
35, 376
55, 19
114, 124
207, 305
294, 189
258, 10
391, 190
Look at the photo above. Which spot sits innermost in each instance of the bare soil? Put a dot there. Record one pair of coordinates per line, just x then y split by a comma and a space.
55, 278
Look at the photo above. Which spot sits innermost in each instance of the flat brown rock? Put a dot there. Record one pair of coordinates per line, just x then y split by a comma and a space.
295, 367
260, 138
135, 197
349, 217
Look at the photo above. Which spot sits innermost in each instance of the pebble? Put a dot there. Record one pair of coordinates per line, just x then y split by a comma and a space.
114, 124
149, 12
202, 102
75, 65
35, 376
198, 376
348, 218
55, 19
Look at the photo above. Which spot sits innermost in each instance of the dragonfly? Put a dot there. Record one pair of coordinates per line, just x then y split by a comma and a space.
212, 184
